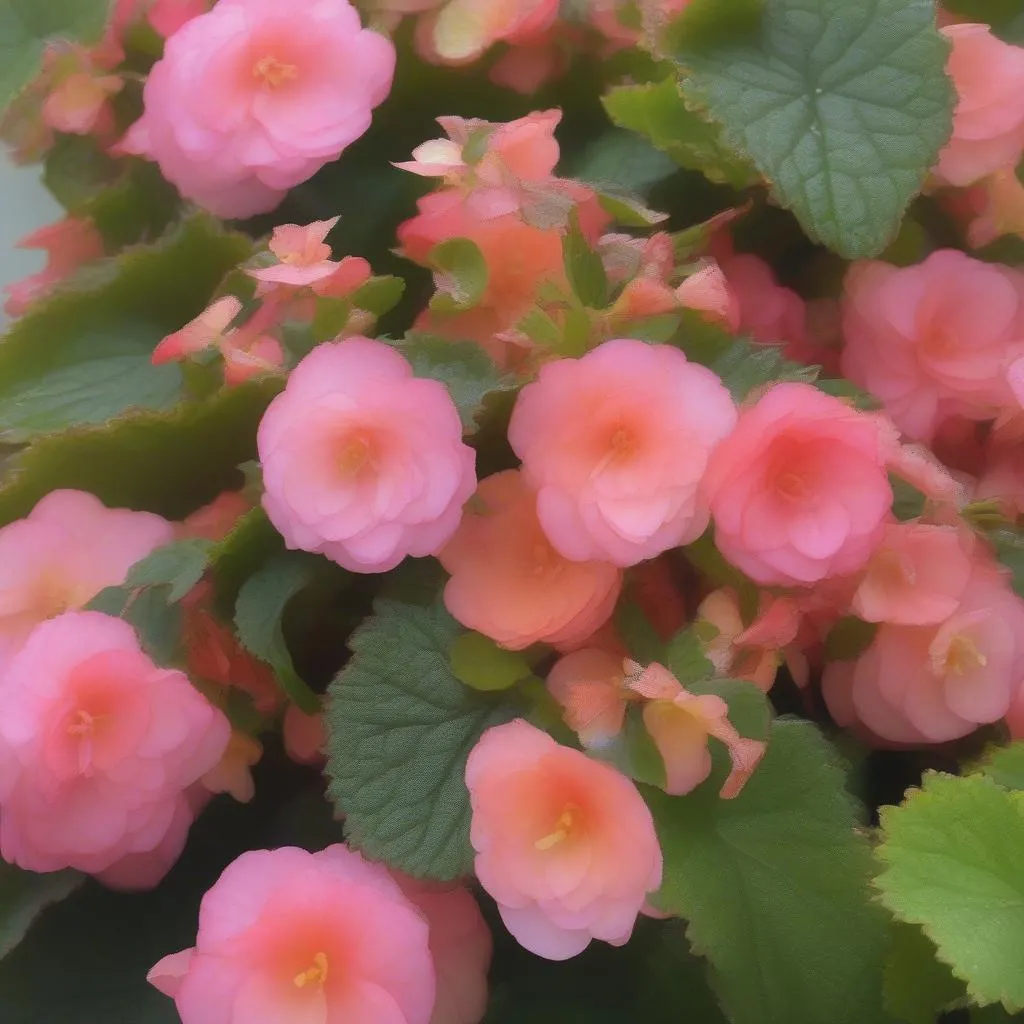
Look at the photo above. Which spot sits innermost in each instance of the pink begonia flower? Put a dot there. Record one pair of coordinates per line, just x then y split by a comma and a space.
78, 102
232, 773
286, 935
799, 491
988, 123
992, 208
708, 291
168, 16
565, 845
304, 257
681, 723
208, 329
590, 686
753, 652
934, 340
255, 97
69, 244
68, 549
930, 684
460, 944
461, 30
916, 577
97, 748
362, 461
616, 444
247, 355
304, 736
510, 584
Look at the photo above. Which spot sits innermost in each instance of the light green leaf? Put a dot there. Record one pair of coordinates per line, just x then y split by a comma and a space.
400, 727
952, 857
659, 113
583, 267
463, 367
917, 986
461, 275
842, 105
775, 886
1004, 766
259, 612
705, 22
179, 565
24, 895
480, 663
685, 657
379, 295
27, 25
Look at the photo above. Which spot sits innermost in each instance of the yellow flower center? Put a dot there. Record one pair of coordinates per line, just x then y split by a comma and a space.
963, 656
316, 975
563, 829
354, 455
273, 72
82, 723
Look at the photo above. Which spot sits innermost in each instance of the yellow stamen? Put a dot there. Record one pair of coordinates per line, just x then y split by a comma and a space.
561, 833
273, 72
963, 655
82, 724
353, 456
316, 975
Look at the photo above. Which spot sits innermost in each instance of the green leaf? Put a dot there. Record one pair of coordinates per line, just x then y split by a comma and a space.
379, 295
685, 658
27, 25
156, 621
1009, 546
842, 105
24, 895
463, 367
583, 267
169, 463
659, 113
640, 637
745, 366
1004, 766
480, 663
749, 708
917, 986
619, 165
82, 356
249, 545
400, 727
461, 275
706, 22
259, 612
849, 638
952, 865
775, 886
179, 565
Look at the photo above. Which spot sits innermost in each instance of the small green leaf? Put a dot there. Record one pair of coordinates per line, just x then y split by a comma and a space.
481, 664
917, 986
26, 26
749, 709
639, 636
685, 658
1009, 546
659, 113
1004, 766
951, 854
400, 727
330, 318
460, 271
849, 638
583, 267
379, 295
24, 895
259, 612
746, 366
180, 565
842, 105
463, 367
157, 622
774, 885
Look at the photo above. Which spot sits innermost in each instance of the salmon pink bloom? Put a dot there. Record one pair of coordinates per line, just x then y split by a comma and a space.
799, 492
208, 329
930, 684
254, 97
97, 748
304, 258
708, 291
362, 461
564, 844
304, 736
232, 773
988, 123
680, 723
589, 684
616, 444
286, 935
934, 340
68, 549
68, 244
510, 584
916, 577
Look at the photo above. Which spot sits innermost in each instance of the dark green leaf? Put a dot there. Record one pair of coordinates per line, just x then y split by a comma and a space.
618, 160
917, 986
849, 638
400, 729
685, 657
843, 106
583, 267
24, 895
461, 275
707, 22
157, 623
775, 886
180, 565
259, 611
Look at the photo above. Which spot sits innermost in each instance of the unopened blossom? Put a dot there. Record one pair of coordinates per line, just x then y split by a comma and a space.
77, 104
232, 774
681, 723
988, 122
362, 461
799, 491
509, 583
617, 444
930, 684
590, 686
68, 244
209, 329
58, 558
254, 97
935, 340
564, 844
304, 736
97, 749
286, 935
